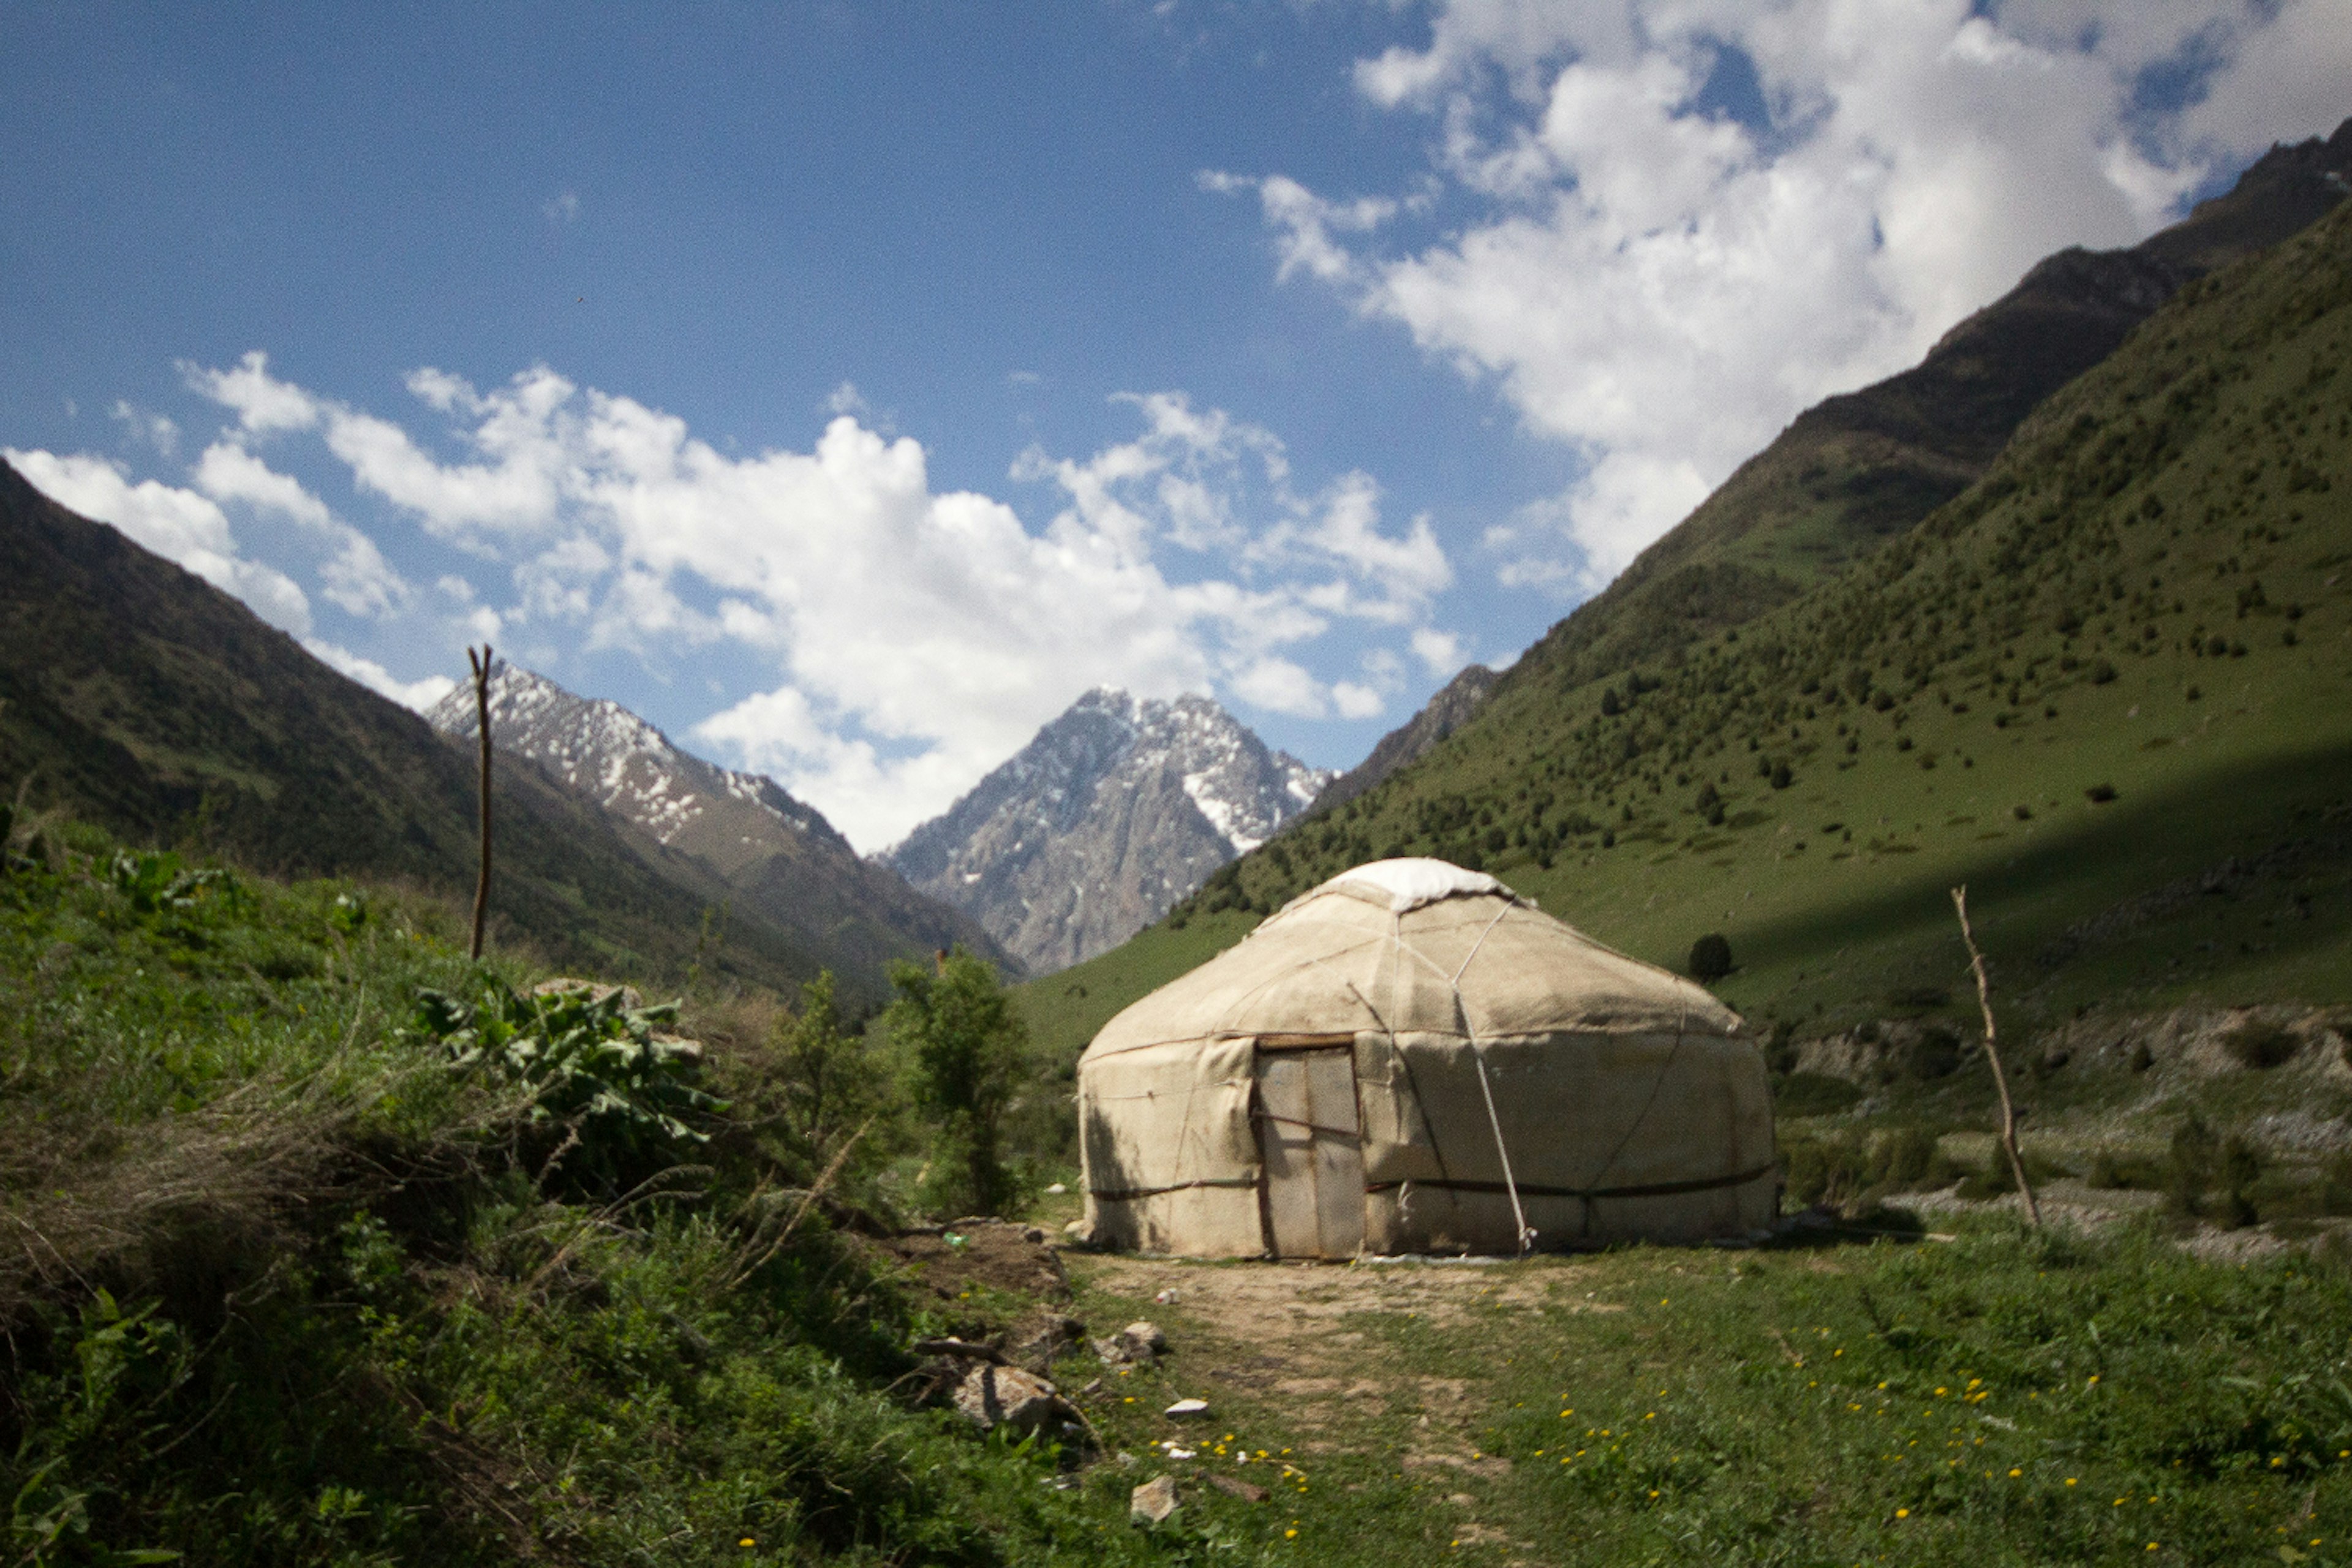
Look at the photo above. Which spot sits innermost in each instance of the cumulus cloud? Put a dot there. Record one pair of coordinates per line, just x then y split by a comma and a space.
356, 576
1662, 283
179, 525
916, 637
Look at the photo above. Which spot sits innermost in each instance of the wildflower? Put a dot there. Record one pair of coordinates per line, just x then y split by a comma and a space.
2017, 1472
747, 1541
1903, 1513
1290, 1534
2070, 1480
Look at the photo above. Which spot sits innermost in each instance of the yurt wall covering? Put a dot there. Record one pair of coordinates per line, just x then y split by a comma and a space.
1411, 1058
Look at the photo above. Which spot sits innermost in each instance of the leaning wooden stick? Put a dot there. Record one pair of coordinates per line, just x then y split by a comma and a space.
1992, 1054
482, 716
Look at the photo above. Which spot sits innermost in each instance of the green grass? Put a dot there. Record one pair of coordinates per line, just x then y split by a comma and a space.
285, 1286
2146, 594
1999, 1398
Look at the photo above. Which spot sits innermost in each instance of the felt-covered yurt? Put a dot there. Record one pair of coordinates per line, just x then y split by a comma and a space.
1411, 1058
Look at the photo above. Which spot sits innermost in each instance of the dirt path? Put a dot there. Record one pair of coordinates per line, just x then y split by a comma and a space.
1295, 1335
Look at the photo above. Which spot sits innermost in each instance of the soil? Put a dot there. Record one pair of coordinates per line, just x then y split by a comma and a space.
992, 1255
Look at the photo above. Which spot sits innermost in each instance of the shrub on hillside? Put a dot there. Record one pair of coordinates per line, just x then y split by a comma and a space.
2259, 1045
1710, 957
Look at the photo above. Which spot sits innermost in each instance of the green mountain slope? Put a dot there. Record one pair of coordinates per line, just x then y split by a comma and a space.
142, 699
1863, 467
2109, 687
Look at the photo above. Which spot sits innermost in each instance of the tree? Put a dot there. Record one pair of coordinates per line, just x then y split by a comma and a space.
831, 1085
1710, 957
967, 1048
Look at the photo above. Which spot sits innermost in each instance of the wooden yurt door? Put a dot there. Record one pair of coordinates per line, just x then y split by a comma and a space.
1310, 1138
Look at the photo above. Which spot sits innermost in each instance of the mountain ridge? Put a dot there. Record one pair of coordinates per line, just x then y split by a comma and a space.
780, 856
136, 695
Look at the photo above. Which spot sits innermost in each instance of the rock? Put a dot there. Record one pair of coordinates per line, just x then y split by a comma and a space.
1138, 1345
1153, 1502
1166, 1298
990, 1396
1233, 1486
1186, 1409
1033, 1236
1057, 1190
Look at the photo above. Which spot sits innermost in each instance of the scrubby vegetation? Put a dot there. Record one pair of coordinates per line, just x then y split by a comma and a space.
324, 1245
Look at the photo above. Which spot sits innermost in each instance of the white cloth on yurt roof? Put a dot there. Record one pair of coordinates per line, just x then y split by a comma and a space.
1410, 882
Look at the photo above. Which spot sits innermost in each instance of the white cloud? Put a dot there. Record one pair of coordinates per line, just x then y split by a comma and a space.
356, 576
1662, 287
916, 638
228, 472
181, 526
564, 207
1440, 652
418, 695
261, 402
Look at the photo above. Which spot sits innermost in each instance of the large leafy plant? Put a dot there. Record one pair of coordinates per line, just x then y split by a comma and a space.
609, 1072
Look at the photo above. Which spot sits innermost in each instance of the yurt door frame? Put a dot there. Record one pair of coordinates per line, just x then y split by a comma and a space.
1310, 1145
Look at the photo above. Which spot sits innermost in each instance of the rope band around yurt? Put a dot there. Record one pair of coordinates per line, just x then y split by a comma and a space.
1648, 1190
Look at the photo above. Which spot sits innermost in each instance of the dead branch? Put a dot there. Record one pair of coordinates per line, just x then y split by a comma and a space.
1992, 1054
482, 715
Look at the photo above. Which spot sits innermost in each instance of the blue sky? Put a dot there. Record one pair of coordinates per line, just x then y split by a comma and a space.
846, 388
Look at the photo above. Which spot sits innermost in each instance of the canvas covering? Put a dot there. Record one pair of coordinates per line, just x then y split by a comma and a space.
1628, 1102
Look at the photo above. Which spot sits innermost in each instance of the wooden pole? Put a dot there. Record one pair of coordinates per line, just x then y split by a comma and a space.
1992, 1054
482, 717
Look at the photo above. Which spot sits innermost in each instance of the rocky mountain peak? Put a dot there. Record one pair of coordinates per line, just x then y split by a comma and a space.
1117, 808
601, 749
774, 857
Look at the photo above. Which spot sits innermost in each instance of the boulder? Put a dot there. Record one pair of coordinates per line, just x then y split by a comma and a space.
990, 1396
1138, 1345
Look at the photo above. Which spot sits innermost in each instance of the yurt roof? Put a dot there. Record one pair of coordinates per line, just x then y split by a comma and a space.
1414, 946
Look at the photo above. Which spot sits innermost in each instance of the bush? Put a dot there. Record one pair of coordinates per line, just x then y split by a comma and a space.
2261, 1046
968, 1050
1710, 957
1814, 1094
2242, 1167
595, 1064
2190, 1166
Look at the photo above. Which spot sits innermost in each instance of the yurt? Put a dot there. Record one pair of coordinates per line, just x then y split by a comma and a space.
1411, 1058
